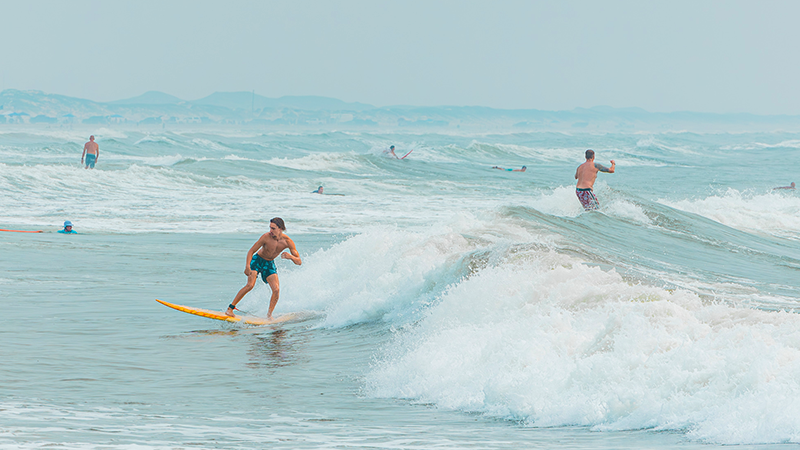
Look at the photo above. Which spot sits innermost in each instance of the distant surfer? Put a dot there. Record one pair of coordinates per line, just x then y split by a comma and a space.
261, 260
391, 152
586, 175
91, 151
791, 186
319, 191
523, 169
67, 228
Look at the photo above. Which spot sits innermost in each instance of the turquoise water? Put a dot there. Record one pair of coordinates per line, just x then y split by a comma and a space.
448, 305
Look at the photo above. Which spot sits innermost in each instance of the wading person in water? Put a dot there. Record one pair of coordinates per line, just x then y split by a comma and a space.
91, 151
586, 175
261, 260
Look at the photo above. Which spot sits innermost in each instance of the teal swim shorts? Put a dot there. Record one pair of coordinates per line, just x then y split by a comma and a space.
263, 266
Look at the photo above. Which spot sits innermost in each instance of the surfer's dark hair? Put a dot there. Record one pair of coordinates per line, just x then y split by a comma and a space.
279, 222
589, 154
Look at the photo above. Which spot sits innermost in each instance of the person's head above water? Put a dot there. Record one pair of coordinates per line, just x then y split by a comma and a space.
391, 148
279, 222
91, 138
589, 154
67, 224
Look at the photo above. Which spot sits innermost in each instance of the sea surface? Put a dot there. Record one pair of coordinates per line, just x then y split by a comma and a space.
445, 304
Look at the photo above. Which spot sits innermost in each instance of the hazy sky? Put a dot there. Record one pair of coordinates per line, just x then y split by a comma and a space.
711, 56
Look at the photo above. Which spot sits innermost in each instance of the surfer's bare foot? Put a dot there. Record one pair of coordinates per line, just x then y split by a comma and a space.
230, 312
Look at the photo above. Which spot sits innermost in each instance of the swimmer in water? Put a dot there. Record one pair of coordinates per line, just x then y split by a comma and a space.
68, 228
318, 191
791, 186
523, 169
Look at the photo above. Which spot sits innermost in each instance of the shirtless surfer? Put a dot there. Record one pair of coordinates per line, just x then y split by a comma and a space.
586, 175
391, 152
92, 152
261, 260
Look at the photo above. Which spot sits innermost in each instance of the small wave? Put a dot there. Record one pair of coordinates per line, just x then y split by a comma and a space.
495, 151
792, 143
321, 162
156, 139
563, 202
69, 135
771, 213
209, 144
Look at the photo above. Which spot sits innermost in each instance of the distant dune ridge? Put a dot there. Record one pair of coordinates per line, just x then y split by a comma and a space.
19, 107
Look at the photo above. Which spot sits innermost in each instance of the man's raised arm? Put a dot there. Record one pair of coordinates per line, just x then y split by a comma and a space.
603, 168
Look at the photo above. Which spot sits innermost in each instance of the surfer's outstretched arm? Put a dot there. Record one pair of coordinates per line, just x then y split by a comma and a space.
603, 168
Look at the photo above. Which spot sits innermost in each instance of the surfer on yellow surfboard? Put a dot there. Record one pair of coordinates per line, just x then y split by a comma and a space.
261, 260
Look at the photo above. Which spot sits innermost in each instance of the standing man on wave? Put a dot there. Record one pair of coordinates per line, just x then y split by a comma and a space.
586, 175
261, 260
92, 152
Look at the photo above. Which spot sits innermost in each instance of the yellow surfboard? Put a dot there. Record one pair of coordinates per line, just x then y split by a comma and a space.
250, 320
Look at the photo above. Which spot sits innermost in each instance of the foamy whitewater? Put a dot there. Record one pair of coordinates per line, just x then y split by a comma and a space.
446, 304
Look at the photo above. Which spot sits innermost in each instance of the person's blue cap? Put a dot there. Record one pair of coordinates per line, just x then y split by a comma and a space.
67, 223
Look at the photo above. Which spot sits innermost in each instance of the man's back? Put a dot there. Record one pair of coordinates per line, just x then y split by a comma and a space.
91, 147
586, 175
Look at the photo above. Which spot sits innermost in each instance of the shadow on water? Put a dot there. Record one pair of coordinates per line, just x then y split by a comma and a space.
276, 349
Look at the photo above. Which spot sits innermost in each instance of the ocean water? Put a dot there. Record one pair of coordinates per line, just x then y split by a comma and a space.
446, 304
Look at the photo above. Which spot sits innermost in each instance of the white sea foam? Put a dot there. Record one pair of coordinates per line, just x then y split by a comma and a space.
321, 162
210, 144
550, 341
487, 324
791, 143
154, 196
137, 199
159, 139
41, 425
652, 142
628, 210
560, 201
66, 134
563, 202
773, 213
495, 151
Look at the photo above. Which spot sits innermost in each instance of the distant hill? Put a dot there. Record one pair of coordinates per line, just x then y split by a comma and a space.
248, 101
149, 98
313, 103
236, 100
246, 109
37, 103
